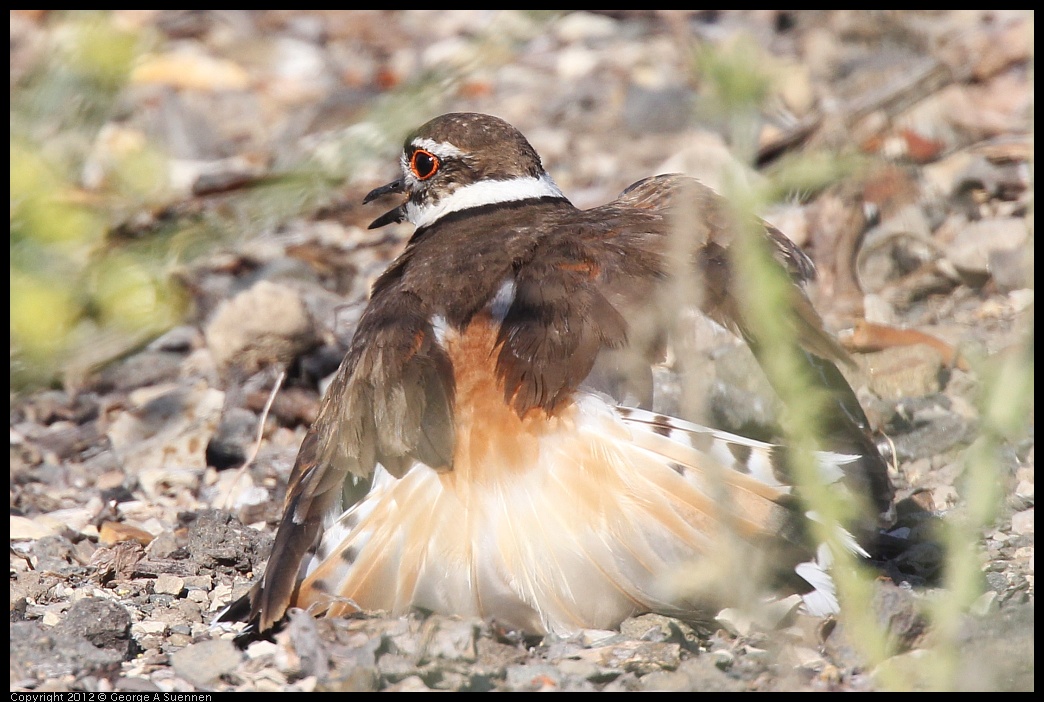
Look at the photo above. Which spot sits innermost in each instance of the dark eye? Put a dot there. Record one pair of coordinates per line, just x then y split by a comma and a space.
424, 164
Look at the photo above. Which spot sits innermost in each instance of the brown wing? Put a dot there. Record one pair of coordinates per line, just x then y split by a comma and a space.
389, 404
710, 228
392, 400
555, 328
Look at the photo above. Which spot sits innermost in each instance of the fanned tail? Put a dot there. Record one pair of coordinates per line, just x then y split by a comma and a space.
767, 464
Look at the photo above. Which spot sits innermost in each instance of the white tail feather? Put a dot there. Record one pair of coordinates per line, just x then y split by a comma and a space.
578, 535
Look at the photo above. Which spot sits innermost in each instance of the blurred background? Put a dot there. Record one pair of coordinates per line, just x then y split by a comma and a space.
186, 224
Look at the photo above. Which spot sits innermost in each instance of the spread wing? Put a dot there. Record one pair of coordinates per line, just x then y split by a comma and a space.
709, 229
391, 403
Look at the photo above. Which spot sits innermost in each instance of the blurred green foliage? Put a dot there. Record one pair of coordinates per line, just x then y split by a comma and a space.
734, 80
89, 280
77, 296
736, 83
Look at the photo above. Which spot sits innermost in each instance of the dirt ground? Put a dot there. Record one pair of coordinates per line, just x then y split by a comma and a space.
131, 523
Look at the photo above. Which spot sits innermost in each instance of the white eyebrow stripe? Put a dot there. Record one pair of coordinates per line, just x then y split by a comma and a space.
483, 192
442, 149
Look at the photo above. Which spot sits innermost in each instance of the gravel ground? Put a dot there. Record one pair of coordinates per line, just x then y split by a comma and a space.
131, 525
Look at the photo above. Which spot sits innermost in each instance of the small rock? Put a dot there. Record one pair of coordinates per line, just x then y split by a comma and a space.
755, 653
911, 667
894, 247
410, 684
584, 670
217, 539
19, 605
75, 519
1012, 269
1021, 299
149, 627
972, 247
198, 582
202, 663
118, 562
192, 70
38, 653
898, 612
221, 596
176, 640
179, 615
301, 638
181, 339
130, 684
102, 622
1023, 497
666, 681
903, 371
985, 604
25, 529
706, 674
452, 639
585, 26
704, 155
723, 658
163, 545
1022, 522
576, 63
656, 627
151, 367
927, 426
66, 440
198, 596
807, 658
594, 637
152, 643
359, 678
265, 324
394, 666
637, 657
533, 678
166, 584
260, 649
168, 427
735, 621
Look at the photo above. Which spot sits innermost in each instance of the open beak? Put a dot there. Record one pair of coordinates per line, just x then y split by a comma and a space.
391, 216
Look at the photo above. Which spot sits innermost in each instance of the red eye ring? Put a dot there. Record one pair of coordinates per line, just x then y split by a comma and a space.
424, 164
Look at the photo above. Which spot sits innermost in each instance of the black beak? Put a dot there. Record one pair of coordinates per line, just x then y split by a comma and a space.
396, 186
396, 215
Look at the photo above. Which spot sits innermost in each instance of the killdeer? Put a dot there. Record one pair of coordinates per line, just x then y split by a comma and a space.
487, 446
